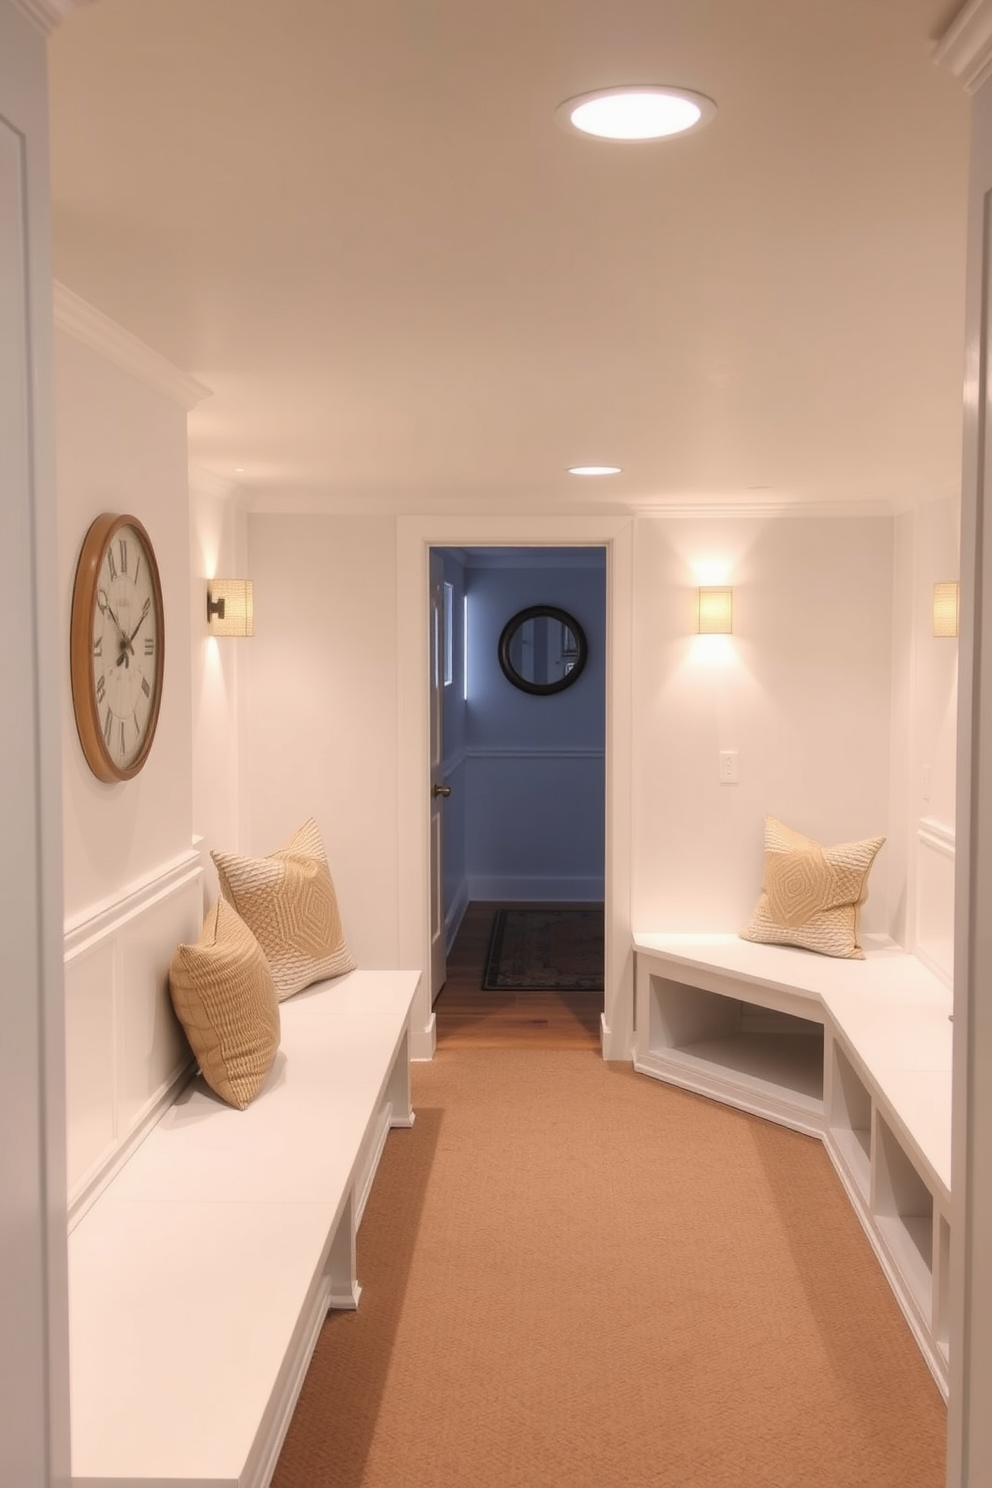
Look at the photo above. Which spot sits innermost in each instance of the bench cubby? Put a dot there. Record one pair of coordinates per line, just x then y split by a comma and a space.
735, 1050
857, 1053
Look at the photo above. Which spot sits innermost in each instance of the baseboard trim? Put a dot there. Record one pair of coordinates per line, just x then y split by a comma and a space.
509, 889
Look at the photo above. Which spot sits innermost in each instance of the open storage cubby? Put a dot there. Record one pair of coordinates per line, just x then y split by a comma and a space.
856, 1053
778, 1053
849, 1119
903, 1211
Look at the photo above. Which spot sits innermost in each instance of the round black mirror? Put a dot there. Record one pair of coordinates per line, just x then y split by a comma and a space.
542, 650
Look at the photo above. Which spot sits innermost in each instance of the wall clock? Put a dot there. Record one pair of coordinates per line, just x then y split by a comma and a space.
116, 646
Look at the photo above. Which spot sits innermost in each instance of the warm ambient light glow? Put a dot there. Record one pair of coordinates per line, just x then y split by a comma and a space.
946, 608
639, 112
594, 470
716, 611
230, 607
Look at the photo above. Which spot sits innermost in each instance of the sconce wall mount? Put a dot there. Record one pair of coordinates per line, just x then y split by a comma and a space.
230, 607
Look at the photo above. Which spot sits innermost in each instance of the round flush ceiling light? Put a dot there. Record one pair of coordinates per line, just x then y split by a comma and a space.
638, 112
594, 470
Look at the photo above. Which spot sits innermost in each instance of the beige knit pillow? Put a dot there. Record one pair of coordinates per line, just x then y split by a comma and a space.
224, 996
812, 895
288, 901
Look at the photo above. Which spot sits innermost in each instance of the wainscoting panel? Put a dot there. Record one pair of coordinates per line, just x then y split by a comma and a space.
125, 1052
935, 897
90, 1061
535, 825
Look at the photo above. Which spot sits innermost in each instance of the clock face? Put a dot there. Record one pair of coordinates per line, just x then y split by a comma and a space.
117, 617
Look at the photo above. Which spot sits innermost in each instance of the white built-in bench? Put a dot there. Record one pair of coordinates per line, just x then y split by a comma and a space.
857, 1053
200, 1276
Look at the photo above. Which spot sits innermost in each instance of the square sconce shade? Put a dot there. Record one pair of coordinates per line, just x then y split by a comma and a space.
230, 607
716, 611
946, 605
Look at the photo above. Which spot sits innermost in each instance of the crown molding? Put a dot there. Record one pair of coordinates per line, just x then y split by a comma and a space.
47, 14
966, 46
726, 511
81, 320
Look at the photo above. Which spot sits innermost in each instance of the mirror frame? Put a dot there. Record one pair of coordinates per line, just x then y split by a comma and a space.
542, 689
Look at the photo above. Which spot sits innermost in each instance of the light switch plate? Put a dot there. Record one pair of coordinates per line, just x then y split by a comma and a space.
730, 767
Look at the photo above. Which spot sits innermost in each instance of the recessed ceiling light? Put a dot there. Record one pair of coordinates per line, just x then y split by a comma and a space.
638, 112
594, 470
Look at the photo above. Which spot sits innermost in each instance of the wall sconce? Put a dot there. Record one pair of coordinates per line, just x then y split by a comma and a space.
230, 607
946, 606
716, 611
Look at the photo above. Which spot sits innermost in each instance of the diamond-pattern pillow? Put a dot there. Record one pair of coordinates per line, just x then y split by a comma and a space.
224, 996
289, 903
811, 895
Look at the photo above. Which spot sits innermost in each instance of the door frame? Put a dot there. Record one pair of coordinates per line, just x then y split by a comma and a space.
415, 536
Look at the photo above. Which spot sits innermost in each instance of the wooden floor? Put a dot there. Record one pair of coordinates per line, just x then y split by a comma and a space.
468, 1018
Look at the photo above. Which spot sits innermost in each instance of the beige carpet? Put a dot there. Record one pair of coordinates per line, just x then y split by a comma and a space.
576, 1275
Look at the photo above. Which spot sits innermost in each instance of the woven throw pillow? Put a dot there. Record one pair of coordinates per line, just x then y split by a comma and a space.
811, 896
289, 903
224, 996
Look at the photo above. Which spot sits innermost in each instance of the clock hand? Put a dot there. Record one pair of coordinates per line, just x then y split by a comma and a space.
144, 611
104, 604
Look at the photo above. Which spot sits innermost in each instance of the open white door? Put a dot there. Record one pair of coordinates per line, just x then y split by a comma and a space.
438, 788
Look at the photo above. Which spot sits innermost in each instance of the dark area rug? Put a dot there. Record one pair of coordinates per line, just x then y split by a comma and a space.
545, 950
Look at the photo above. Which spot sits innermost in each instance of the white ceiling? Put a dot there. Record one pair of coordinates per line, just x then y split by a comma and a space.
358, 223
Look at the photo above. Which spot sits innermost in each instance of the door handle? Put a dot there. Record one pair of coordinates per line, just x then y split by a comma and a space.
440, 790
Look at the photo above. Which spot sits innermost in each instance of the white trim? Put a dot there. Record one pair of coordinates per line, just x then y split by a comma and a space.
108, 915
81, 320
935, 834
727, 510
47, 14
205, 483
551, 752
510, 887
277, 502
965, 48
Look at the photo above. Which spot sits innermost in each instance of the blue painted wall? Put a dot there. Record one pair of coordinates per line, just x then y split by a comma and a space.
526, 816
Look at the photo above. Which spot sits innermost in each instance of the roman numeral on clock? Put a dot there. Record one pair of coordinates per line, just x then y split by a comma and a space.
149, 645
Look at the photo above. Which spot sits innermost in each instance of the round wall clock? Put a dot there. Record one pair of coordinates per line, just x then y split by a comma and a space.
116, 646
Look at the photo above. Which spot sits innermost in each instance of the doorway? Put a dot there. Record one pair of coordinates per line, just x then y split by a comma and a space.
518, 725
416, 535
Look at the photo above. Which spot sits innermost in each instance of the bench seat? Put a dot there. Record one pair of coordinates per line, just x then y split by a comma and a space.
857, 1053
200, 1276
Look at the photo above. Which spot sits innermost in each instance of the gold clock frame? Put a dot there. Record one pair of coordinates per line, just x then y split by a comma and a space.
85, 706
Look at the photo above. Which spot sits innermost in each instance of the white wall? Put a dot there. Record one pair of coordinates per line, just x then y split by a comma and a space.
924, 735
218, 549
121, 447
319, 717
132, 884
801, 690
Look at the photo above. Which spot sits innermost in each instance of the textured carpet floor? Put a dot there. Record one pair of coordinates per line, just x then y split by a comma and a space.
538, 950
576, 1275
